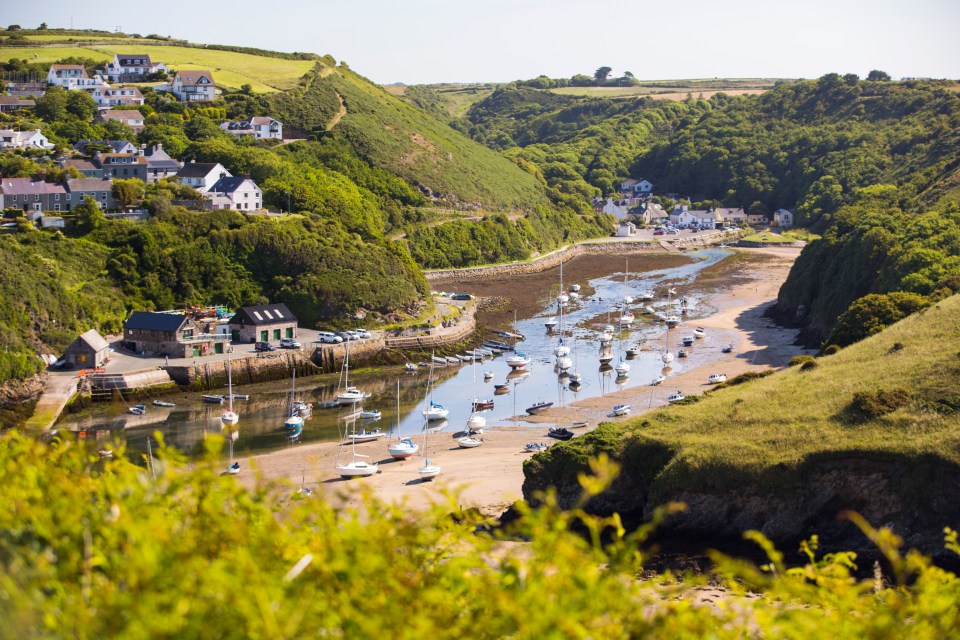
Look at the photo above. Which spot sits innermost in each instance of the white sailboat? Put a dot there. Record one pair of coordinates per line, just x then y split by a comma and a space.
229, 416
574, 376
403, 448
294, 421
626, 318
623, 367
435, 410
476, 422
349, 395
357, 466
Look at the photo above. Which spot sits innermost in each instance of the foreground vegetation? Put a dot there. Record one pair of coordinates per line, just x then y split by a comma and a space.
106, 548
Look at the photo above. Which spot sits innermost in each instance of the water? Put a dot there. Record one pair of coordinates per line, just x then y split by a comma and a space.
261, 417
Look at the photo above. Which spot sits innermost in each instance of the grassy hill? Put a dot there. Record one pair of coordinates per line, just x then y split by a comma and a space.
872, 428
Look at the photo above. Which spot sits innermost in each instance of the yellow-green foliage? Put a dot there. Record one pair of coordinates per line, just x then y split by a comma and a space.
742, 431
94, 548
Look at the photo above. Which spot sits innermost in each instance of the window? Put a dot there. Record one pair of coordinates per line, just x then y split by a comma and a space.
188, 334
56, 197
56, 207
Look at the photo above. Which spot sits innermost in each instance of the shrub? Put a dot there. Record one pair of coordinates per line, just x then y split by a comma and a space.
800, 360
809, 365
873, 404
829, 350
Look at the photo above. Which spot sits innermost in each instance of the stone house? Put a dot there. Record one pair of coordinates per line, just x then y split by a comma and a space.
263, 323
121, 165
89, 351
169, 334
100, 189
159, 163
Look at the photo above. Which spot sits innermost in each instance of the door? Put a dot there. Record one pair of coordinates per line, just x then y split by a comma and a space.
196, 351
218, 347
289, 332
276, 334
235, 335
264, 336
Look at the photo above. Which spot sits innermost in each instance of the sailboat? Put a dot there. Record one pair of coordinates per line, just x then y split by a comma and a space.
626, 318
435, 410
476, 422
229, 416
355, 467
349, 395
673, 319
294, 422
574, 376
403, 448
623, 367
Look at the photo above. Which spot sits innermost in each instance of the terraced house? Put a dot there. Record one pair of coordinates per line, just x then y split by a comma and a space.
32, 195
100, 189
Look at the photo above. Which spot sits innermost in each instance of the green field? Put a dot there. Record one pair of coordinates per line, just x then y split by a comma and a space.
230, 69
769, 238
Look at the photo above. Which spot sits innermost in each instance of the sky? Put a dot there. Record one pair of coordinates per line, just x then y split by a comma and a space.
427, 41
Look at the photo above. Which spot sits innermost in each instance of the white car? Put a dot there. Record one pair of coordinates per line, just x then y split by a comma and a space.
363, 333
329, 337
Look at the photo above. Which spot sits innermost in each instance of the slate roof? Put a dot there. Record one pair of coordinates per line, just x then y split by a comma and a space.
28, 186
94, 340
152, 321
16, 101
192, 77
127, 60
89, 184
229, 184
197, 169
116, 145
262, 315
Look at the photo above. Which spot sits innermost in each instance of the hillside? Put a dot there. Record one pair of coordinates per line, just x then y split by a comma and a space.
873, 428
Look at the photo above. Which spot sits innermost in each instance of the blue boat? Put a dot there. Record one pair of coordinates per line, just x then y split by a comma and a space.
294, 434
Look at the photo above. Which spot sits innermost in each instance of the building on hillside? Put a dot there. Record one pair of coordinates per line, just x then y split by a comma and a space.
72, 77
118, 146
89, 351
130, 117
729, 215
26, 89
263, 323
194, 85
636, 187
132, 67
100, 189
783, 218
757, 218
239, 193
159, 163
121, 165
683, 217
84, 166
13, 103
260, 127
626, 229
202, 175
169, 334
10, 139
619, 209
32, 195
106, 96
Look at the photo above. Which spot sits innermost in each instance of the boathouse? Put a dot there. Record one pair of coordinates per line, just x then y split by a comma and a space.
263, 323
89, 351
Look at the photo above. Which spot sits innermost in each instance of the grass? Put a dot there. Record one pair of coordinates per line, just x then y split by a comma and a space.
230, 69
770, 238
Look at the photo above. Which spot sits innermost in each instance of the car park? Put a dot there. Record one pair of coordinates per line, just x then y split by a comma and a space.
288, 343
264, 346
329, 337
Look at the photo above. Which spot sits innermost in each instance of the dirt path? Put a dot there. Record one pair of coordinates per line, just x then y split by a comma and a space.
342, 112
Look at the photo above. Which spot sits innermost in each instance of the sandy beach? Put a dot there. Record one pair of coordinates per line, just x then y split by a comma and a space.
490, 477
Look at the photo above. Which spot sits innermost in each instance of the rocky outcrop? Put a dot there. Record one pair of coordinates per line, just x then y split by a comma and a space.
911, 496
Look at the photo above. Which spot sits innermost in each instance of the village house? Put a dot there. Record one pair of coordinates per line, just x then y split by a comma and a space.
89, 351
100, 189
757, 218
121, 165
261, 127
84, 166
130, 117
783, 218
619, 209
626, 229
13, 103
72, 77
159, 163
682, 216
193, 85
32, 195
132, 67
10, 139
636, 187
732, 215
263, 323
240, 193
169, 334
26, 89
106, 96
202, 175
118, 146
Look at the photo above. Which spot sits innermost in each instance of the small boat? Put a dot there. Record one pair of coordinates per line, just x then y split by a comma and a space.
574, 288
633, 351
453, 360
482, 405
366, 436
488, 375
535, 447
727, 349
672, 321
233, 469
682, 353
410, 367
648, 309
403, 449
373, 414
161, 403
438, 360
435, 411
621, 410
469, 442
538, 407
699, 332
676, 397
293, 423
627, 319
560, 433
357, 468
667, 357
212, 399
105, 454
518, 361
428, 471
622, 369
503, 386
606, 358
580, 424
687, 341
564, 363
294, 434
137, 409
646, 295
717, 378
302, 408
658, 380
237, 396
550, 323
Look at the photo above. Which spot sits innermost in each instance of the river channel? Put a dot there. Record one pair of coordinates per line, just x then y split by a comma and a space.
602, 289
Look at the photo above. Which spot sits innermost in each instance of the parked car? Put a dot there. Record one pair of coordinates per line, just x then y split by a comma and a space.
289, 343
329, 337
659, 232
347, 335
673, 231
461, 296
264, 346
362, 333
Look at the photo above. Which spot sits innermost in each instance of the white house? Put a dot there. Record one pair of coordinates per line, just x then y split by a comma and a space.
106, 96
626, 229
783, 218
130, 117
617, 208
10, 139
636, 187
240, 193
261, 127
132, 67
681, 216
202, 175
194, 85
732, 215
72, 76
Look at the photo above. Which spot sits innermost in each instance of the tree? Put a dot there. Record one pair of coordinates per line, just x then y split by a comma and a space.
128, 192
878, 76
89, 215
14, 27
601, 74
52, 105
42, 27
81, 105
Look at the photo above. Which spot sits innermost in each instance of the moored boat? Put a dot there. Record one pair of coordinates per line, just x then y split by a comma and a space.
366, 436
717, 378
233, 469
535, 447
162, 403
658, 380
621, 410
518, 360
560, 433
137, 409
435, 411
538, 407
687, 341
727, 349
676, 397
699, 332
469, 442
212, 399
372, 414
